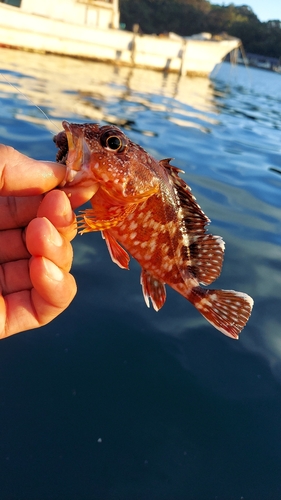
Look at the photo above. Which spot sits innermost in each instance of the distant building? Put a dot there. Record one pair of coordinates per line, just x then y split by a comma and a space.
262, 62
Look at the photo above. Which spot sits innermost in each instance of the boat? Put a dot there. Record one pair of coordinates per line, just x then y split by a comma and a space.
90, 29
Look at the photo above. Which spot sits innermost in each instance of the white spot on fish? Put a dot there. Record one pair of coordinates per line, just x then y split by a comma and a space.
133, 226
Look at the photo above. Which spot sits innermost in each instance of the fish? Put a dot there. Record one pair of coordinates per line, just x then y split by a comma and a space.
143, 207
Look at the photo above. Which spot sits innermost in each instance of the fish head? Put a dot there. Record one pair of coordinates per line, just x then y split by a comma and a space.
105, 155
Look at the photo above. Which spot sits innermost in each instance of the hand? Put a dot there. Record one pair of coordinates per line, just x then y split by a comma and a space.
35, 234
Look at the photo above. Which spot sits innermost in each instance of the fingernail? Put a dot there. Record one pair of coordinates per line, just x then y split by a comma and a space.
55, 237
67, 212
53, 271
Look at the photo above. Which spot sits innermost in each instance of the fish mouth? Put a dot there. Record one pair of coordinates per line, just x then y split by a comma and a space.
61, 142
74, 153
73, 149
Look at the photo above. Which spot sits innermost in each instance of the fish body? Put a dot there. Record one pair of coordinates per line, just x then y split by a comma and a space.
143, 207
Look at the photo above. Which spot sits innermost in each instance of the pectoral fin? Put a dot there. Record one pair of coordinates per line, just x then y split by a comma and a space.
99, 218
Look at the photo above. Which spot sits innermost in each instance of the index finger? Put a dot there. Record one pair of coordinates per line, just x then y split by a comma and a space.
23, 176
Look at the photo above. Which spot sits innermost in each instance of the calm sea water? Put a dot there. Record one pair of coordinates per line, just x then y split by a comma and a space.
112, 400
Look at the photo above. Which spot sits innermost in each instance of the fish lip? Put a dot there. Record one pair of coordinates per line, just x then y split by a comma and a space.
78, 153
77, 156
66, 125
74, 136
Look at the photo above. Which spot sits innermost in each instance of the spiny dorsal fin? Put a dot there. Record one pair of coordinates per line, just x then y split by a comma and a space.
194, 218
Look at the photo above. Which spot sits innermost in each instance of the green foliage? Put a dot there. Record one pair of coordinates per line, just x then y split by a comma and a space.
184, 17
187, 17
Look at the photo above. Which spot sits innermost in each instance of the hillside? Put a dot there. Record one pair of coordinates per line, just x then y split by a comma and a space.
187, 17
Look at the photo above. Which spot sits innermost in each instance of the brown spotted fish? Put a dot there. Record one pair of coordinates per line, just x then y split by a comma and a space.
142, 206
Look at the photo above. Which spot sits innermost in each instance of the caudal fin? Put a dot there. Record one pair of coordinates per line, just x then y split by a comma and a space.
226, 310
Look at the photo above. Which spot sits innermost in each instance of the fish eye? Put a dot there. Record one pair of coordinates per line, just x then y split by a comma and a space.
113, 142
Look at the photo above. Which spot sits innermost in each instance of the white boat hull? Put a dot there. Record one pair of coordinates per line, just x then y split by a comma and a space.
28, 31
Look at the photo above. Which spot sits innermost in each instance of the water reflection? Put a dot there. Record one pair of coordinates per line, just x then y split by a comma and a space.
82, 90
253, 95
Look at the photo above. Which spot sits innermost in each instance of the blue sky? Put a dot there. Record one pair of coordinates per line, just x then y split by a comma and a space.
264, 9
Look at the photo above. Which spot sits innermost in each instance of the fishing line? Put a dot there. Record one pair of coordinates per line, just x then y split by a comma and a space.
30, 100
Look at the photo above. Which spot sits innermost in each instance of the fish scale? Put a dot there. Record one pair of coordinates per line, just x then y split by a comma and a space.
144, 208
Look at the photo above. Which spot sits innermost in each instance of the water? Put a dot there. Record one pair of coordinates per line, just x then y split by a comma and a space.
115, 401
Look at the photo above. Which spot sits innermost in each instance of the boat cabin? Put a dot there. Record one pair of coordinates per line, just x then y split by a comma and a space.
102, 14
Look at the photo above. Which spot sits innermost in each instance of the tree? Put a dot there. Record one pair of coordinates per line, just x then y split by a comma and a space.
187, 17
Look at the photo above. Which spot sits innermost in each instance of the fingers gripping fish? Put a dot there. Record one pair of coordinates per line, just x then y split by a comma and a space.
143, 206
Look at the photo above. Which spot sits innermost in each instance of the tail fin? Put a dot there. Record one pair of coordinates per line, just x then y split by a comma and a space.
226, 310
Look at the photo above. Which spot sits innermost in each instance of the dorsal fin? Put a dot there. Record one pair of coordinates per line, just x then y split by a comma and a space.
194, 218
204, 254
